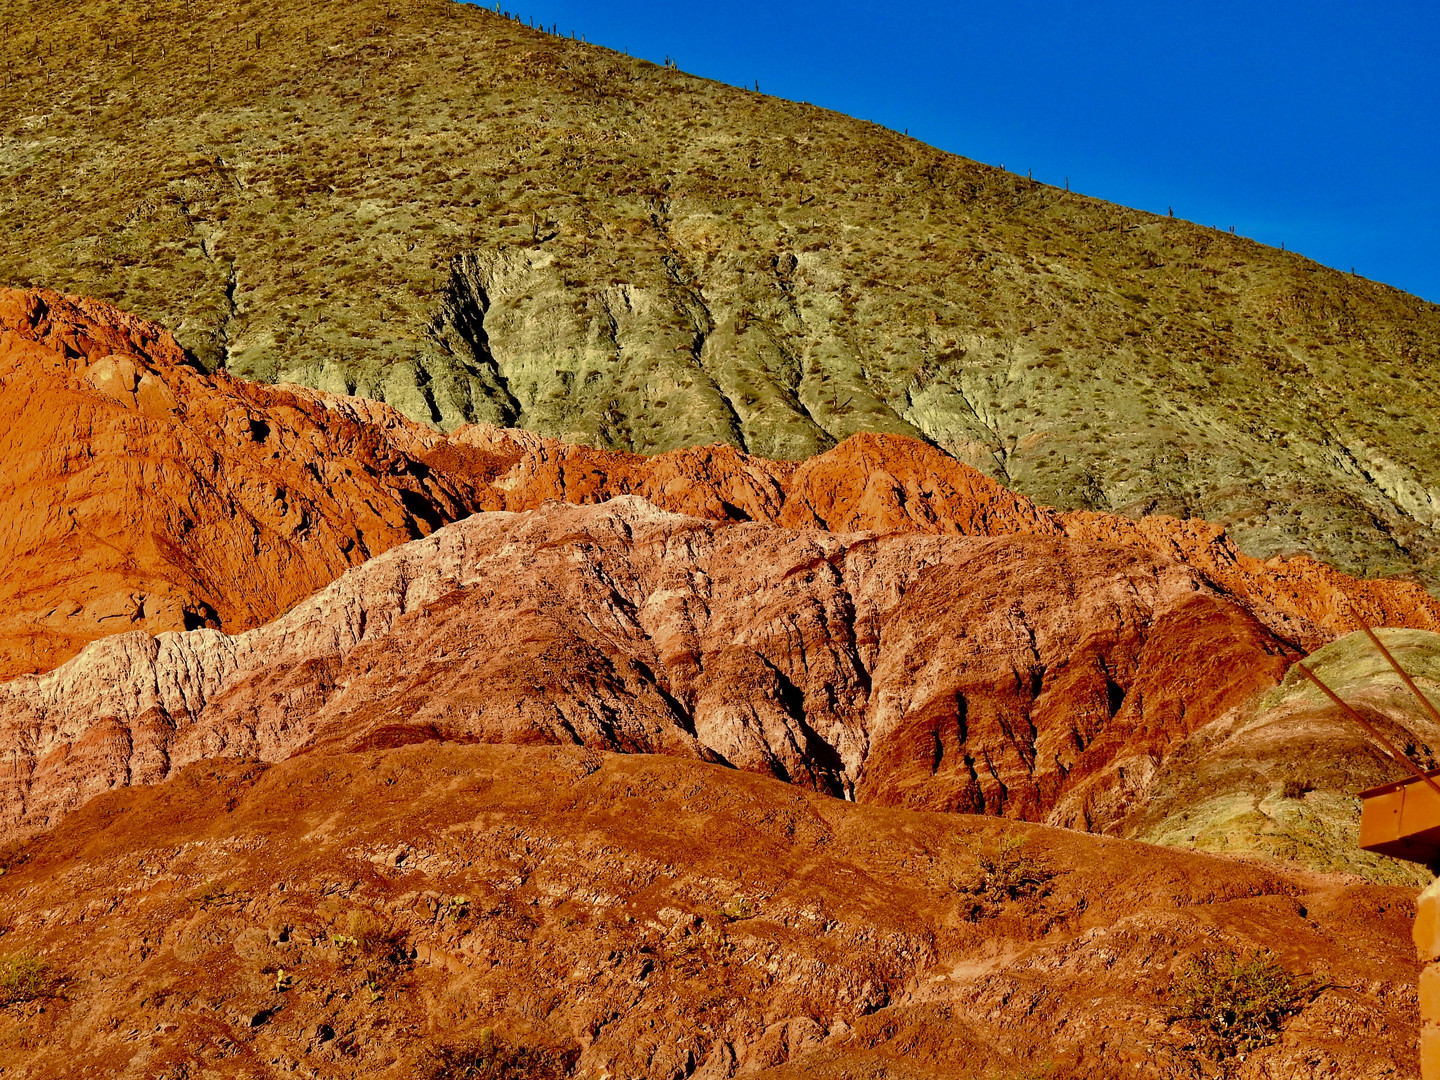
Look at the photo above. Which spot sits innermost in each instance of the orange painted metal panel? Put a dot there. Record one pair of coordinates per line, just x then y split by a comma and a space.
1402, 820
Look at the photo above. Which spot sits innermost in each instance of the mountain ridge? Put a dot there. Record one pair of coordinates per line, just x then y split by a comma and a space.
431, 204
402, 642
1093, 685
200, 499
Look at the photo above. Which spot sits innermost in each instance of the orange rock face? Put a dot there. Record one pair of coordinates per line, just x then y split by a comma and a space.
137, 492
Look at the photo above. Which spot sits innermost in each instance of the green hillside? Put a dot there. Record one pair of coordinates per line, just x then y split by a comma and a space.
432, 204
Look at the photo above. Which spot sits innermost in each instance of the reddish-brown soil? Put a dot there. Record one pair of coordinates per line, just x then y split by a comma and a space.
342, 915
137, 492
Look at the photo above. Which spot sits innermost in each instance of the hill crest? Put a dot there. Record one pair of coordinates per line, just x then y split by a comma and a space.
429, 204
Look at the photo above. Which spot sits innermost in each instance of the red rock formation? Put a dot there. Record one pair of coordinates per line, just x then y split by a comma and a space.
1023, 675
879, 622
350, 914
888, 483
137, 492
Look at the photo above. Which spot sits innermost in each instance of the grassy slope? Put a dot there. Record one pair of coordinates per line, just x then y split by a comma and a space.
338, 194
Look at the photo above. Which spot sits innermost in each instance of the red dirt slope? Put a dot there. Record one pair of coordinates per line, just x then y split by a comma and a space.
138, 493
346, 915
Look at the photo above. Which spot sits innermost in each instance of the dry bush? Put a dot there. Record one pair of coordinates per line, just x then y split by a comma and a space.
1295, 788
369, 934
1240, 1002
1005, 874
488, 1058
13, 855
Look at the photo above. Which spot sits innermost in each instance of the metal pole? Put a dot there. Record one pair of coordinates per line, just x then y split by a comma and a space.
1369, 727
1404, 677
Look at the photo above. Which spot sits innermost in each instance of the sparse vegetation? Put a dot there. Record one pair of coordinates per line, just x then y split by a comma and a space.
1239, 1002
216, 893
575, 176
12, 855
489, 1058
1004, 873
737, 908
700, 946
1044, 1070
369, 934
372, 948
25, 977
1295, 788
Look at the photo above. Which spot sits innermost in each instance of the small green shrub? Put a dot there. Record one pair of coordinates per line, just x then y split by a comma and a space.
487, 1058
1240, 1002
737, 909
24, 978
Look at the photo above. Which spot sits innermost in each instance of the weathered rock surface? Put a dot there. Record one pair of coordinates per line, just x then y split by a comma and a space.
973, 652
1034, 676
138, 492
428, 203
887, 483
345, 915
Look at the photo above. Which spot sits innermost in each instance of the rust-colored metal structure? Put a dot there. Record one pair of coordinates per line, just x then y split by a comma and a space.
1402, 819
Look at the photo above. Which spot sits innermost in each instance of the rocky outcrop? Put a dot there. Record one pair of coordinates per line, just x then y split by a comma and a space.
887, 483
139, 493
1279, 777
359, 914
1033, 676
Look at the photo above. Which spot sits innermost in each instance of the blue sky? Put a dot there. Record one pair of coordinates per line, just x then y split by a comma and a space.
1313, 124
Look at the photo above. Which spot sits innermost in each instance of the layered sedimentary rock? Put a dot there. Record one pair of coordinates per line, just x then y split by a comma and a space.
880, 621
367, 914
1035, 676
138, 492
886, 483
1279, 777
